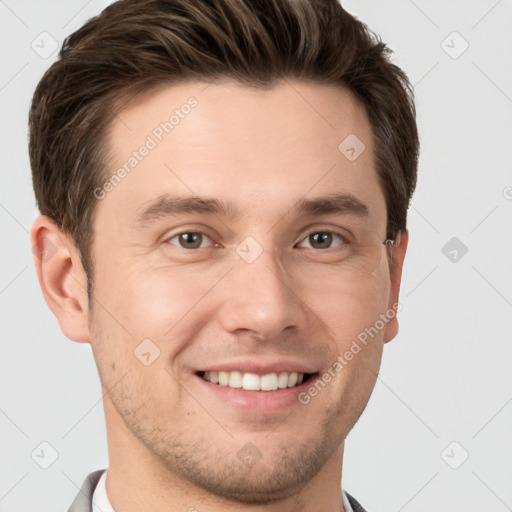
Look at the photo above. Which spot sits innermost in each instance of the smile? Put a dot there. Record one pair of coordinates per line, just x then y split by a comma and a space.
254, 382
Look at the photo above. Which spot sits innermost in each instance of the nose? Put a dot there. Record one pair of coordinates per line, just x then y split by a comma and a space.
260, 297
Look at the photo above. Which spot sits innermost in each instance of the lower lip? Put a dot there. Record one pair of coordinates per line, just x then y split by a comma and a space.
263, 402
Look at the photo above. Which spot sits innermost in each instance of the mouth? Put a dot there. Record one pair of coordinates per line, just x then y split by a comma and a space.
255, 382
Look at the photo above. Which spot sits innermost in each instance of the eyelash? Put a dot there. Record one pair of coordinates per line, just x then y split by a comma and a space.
344, 240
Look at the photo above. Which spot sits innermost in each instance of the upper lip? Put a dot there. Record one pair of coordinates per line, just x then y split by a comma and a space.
259, 367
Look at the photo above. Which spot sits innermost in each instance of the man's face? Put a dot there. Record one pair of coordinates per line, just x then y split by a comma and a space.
252, 293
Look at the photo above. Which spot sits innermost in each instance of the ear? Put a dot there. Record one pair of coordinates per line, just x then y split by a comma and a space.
61, 277
399, 250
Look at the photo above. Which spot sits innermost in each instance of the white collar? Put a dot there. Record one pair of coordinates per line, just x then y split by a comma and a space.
100, 501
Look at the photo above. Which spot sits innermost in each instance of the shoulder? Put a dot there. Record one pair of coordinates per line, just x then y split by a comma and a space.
82, 502
356, 506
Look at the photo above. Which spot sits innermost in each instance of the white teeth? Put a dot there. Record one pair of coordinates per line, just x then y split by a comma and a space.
269, 382
235, 380
282, 381
251, 382
223, 378
254, 382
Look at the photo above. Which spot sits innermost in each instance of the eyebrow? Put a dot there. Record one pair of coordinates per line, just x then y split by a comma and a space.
166, 205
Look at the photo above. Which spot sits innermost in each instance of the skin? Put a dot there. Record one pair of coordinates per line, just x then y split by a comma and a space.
172, 444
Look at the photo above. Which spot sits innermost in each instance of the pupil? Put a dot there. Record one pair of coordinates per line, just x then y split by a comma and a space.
190, 240
321, 240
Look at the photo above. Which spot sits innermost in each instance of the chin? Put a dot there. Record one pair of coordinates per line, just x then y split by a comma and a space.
277, 475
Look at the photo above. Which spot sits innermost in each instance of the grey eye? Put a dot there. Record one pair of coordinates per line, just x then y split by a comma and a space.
189, 239
322, 240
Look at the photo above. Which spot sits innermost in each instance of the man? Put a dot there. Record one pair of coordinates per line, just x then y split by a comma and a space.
223, 190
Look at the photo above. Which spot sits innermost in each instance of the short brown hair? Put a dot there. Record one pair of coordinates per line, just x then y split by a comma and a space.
134, 46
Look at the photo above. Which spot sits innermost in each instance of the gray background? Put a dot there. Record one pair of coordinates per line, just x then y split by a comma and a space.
444, 391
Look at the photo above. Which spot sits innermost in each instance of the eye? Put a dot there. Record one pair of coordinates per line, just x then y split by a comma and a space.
190, 240
323, 240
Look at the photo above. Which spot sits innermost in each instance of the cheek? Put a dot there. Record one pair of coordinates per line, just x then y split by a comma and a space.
166, 305
130, 357
348, 311
143, 300
354, 318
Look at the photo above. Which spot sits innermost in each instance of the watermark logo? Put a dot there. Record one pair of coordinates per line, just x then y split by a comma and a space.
44, 455
352, 147
454, 45
44, 45
156, 136
249, 249
249, 454
147, 352
356, 346
47, 254
455, 455
454, 249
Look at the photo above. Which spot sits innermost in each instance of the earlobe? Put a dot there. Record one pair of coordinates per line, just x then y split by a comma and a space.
61, 277
399, 251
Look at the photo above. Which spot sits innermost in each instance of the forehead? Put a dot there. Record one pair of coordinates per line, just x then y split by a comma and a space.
259, 149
